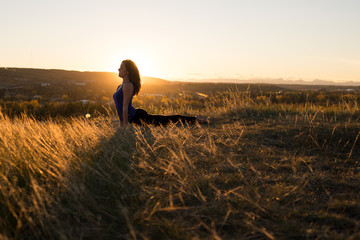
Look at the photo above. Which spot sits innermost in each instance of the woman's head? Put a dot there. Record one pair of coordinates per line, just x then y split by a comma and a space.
129, 69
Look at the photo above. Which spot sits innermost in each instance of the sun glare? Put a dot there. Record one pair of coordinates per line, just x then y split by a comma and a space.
142, 61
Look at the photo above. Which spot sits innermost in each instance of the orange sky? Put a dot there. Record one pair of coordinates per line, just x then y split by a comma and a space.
187, 39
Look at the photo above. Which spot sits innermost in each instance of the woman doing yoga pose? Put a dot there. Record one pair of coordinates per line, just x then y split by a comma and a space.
123, 96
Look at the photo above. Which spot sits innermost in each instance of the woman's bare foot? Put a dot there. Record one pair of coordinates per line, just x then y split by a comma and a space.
202, 120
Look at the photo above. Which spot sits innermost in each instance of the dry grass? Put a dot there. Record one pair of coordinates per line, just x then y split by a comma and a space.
258, 171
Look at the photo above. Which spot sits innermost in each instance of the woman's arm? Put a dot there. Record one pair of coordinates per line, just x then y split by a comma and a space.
128, 90
118, 104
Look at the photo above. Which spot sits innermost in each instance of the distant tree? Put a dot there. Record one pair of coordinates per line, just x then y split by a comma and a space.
34, 104
65, 97
20, 96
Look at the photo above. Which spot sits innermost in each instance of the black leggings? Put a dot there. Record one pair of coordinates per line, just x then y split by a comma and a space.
141, 116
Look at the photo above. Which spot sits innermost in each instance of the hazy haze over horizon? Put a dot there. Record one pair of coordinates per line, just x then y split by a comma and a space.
196, 39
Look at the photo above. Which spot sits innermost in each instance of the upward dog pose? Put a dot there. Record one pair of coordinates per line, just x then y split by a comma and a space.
130, 86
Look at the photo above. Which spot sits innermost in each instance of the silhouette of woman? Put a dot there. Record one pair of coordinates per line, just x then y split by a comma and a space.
123, 96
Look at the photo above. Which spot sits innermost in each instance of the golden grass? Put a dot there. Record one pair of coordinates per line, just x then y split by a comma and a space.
37, 163
258, 171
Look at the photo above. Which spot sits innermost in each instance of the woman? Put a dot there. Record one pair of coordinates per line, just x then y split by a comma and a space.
130, 86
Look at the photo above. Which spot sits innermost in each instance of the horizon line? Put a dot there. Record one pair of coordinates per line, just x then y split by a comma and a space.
208, 79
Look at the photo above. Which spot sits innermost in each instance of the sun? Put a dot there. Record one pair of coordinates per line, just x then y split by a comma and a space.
143, 61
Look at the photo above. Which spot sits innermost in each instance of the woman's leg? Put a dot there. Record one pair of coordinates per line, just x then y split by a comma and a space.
141, 116
163, 120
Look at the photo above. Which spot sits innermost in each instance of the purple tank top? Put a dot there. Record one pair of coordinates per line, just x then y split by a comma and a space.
118, 98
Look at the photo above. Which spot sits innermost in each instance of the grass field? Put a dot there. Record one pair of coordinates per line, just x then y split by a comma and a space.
257, 171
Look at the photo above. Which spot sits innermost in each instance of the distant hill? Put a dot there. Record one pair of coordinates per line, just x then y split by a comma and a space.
12, 77
153, 80
108, 81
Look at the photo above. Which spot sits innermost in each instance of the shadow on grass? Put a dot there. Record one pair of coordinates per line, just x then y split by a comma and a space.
95, 205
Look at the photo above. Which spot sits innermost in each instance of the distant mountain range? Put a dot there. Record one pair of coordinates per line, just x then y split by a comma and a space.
279, 81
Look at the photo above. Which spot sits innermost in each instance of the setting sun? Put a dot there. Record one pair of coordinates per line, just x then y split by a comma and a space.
144, 62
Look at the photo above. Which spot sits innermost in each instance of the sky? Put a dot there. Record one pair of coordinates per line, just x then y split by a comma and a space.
188, 39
